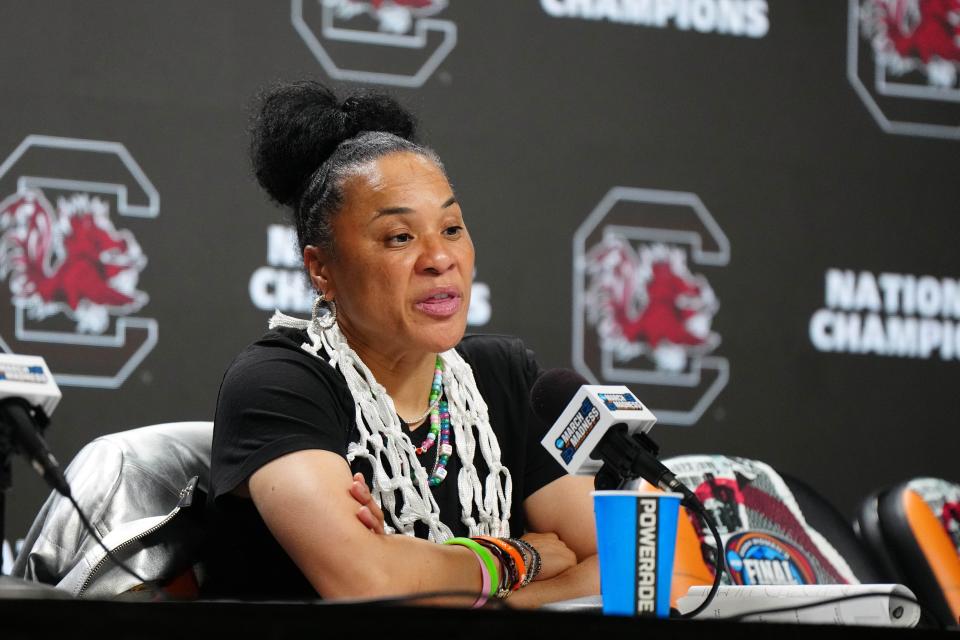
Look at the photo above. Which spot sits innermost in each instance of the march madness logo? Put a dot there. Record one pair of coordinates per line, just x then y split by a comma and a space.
643, 307
71, 271
395, 42
904, 62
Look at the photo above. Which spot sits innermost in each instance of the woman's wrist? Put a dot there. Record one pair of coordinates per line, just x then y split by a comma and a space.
531, 556
580, 580
506, 564
510, 574
490, 571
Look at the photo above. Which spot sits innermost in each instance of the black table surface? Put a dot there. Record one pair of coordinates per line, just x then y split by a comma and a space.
34, 618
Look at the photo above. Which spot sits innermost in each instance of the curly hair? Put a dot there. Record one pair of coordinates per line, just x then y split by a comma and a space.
305, 143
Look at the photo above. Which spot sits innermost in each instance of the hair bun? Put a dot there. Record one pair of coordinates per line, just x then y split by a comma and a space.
299, 125
376, 112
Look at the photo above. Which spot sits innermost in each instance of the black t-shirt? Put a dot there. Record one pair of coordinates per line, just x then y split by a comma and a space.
276, 399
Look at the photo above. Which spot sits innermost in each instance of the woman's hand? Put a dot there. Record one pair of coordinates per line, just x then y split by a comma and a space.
369, 512
555, 556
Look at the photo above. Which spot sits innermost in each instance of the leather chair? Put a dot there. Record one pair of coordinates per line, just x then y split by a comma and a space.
913, 530
144, 491
776, 529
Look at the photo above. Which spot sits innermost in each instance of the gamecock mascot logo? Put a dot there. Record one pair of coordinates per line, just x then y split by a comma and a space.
69, 260
645, 302
398, 42
393, 16
915, 37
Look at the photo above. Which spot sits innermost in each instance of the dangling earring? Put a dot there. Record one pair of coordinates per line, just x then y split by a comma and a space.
324, 314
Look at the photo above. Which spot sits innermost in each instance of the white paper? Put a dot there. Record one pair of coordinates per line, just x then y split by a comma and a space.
881, 610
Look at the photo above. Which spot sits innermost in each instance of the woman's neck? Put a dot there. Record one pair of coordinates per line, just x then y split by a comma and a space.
407, 377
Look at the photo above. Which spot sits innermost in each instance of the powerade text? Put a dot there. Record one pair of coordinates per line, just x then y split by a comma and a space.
647, 522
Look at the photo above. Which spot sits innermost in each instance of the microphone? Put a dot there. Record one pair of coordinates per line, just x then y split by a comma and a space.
28, 395
601, 430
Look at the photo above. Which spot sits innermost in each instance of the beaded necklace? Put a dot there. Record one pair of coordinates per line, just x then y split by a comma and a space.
439, 426
484, 504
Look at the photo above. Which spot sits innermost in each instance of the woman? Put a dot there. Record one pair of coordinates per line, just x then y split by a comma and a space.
372, 390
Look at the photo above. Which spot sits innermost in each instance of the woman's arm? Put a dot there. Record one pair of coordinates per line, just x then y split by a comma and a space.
564, 507
305, 499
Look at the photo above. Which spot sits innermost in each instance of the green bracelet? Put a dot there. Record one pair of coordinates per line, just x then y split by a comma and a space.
485, 556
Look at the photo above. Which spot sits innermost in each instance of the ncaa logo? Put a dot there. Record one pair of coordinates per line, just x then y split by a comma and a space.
903, 60
760, 557
71, 268
642, 311
395, 42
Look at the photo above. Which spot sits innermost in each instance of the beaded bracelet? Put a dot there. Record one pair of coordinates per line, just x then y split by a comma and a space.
510, 576
533, 569
487, 559
527, 559
515, 554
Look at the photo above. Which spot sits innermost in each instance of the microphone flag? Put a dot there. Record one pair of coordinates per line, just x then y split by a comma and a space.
586, 418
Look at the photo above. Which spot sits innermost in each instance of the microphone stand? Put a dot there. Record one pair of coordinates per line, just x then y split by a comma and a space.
10, 587
629, 459
7, 449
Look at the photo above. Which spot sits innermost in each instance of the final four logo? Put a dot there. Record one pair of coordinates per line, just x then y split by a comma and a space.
904, 62
71, 270
395, 42
760, 557
643, 311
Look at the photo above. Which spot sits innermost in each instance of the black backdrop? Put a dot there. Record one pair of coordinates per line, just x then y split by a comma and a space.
767, 118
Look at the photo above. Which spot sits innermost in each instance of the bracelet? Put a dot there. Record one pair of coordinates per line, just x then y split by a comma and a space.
527, 556
491, 578
527, 559
515, 554
533, 569
484, 583
509, 576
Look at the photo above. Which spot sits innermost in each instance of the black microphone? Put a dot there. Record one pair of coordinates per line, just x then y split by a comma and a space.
24, 421
600, 429
28, 395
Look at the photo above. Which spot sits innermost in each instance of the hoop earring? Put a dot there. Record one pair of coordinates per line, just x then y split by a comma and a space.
324, 314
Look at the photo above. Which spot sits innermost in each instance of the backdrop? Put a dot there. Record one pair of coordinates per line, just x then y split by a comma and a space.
746, 210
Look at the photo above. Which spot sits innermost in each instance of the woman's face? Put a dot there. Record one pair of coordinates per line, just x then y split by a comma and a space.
402, 261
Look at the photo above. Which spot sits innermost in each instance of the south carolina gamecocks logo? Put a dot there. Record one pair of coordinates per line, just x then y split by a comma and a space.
916, 36
69, 259
904, 62
69, 211
393, 16
646, 302
643, 308
396, 42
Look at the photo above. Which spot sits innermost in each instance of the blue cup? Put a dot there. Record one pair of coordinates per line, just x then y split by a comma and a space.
636, 540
